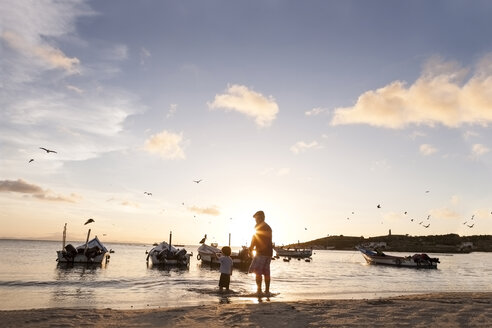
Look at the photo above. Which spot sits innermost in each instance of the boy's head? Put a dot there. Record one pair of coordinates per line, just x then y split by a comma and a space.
226, 250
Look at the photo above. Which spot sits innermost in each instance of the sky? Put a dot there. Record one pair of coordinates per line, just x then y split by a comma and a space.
315, 112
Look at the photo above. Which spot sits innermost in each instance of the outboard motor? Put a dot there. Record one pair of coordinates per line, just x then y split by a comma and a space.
71, 251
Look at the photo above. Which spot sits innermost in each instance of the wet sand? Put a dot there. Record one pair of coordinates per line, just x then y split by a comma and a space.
430, 310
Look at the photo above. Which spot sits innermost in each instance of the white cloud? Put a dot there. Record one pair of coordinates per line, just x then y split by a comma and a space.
416, 134
301, 146
479, 150
213, 210
426, 149
441, 95
167, 144
75, 89
144, 54
248, 102
469, 134
172, 110
444, 213
315, 111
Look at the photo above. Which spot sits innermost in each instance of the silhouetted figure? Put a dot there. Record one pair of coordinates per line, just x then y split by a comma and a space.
262, 242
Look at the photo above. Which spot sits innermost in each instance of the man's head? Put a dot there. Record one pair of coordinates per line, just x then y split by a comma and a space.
259, 217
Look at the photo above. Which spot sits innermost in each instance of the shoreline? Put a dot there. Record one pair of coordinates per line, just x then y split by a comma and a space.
462, 309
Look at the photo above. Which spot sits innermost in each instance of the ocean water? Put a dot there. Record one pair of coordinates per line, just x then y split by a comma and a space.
31, 278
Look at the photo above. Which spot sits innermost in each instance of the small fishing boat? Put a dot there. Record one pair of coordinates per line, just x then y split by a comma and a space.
166, 254
210, 253
414, 261
92, 251
293, 252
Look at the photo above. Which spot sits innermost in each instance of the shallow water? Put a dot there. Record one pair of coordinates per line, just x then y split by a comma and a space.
31, 278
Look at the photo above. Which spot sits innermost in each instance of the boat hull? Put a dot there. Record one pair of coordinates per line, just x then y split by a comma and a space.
165, 254
81, 258
416, 261
297, 253
208, 254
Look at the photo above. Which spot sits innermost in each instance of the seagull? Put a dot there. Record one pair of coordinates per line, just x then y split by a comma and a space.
379, 206
411, 220
305, 228
203, 239
405, 213
465, 222
31, 160
470, 226
197, 181
89, 221
473, 216
427, 191
428, 217
421, 222
348, 218
147, 193
426, 226
48, 150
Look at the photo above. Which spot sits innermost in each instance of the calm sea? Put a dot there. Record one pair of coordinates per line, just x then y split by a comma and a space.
31, 278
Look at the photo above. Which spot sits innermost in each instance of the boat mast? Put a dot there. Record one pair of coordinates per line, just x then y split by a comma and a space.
64, 236
229, 239
170, 239
87, 241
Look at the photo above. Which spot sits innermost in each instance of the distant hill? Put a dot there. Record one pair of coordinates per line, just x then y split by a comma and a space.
450, 243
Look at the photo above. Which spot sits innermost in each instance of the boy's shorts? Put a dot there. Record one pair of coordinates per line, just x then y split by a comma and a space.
225, 280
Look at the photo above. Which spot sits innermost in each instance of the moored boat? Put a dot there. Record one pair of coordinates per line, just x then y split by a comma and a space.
209, 254
166, 254
293, 252
414, 261
92, 251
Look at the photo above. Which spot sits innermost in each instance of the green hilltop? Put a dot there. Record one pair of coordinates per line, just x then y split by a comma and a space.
450, 243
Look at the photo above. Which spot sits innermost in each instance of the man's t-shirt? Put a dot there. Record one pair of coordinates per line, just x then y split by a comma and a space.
262, 240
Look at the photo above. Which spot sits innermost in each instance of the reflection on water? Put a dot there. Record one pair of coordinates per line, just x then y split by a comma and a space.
128, 282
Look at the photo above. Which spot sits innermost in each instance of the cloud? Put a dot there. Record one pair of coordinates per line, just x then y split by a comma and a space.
207, 210
315, 111
415, 134
166, 144
30, 30
441, 95
479, 150
75, 89
444, 213
426, 149
22, 187
144, 54
172, 110
250, 103
301, 146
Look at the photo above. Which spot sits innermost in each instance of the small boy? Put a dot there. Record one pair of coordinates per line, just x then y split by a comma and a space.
225, 268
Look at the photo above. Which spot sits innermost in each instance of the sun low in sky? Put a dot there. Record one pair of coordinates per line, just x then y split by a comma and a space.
333, 117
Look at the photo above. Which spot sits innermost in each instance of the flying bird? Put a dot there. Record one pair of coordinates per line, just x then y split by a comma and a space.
203, 239
197, 181
470, 226
473, 216
427, 191
48, 150
411, 220
379, 206
428, 217
465, 222
89, 221
405, 213
147, 193
426, 226
421, 222
31, 160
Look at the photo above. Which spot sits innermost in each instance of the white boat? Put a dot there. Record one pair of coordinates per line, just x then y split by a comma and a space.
414, 261
209, 254
166, 254
293, 252
92, 251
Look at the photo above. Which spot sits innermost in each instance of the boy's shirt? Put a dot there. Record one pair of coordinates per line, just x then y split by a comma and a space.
225, 264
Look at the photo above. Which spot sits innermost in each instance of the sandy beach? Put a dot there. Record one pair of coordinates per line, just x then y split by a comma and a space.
429, 310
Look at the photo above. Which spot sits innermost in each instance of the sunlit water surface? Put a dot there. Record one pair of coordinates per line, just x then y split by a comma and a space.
31, 278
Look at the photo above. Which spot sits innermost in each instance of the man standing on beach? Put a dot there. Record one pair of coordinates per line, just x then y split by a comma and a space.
262, 242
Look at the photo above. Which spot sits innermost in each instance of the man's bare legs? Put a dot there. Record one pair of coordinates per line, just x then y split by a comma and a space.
259, 281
